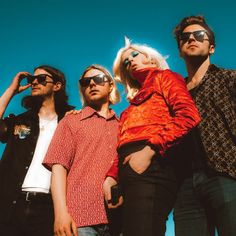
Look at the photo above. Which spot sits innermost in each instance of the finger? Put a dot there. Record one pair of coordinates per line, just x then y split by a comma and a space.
120, 202
24, 87
74, 229
126, 159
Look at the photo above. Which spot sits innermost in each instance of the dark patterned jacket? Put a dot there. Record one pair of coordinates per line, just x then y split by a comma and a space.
215, 98
20, 133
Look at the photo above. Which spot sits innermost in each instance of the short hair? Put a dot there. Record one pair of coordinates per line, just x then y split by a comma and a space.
114, 96
120, 72
192, 20
60, 96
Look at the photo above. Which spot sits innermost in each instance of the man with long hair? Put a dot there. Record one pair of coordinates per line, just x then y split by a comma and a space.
25, 199
80, 154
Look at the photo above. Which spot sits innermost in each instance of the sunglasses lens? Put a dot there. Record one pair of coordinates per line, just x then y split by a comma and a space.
84, 82
185, 36
199, 35
29, 79
40, 78
97, 79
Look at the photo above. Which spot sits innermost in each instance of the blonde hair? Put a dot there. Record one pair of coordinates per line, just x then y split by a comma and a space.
121, 73
114, 96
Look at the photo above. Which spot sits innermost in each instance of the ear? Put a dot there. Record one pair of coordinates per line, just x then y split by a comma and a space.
57, 86
111, 86
211, 49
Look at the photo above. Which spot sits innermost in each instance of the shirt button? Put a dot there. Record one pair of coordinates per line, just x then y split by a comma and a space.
110, 146
14, 202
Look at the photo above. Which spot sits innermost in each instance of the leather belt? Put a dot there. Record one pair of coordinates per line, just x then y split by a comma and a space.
35, 196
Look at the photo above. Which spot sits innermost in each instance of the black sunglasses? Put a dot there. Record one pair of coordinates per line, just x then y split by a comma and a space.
97, 79
41, 78
198, 35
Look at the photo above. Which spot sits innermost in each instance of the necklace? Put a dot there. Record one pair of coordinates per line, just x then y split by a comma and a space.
43, 123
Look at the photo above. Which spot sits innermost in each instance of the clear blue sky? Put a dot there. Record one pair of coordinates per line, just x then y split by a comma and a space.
72, 34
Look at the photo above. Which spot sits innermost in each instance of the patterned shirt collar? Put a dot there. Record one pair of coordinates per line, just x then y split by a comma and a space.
88, 112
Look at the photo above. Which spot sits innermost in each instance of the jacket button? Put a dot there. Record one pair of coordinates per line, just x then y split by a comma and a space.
26, 167
14, 202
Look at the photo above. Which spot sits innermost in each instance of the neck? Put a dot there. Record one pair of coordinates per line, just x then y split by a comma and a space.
196, 70
47, 109
102, 109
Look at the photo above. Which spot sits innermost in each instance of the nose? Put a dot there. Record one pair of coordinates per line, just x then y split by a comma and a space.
191, 37
34, 82
92, 83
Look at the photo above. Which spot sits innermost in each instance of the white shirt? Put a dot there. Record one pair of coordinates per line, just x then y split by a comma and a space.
38, 178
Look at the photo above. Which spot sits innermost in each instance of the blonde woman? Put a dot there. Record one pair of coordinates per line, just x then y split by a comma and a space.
160, 113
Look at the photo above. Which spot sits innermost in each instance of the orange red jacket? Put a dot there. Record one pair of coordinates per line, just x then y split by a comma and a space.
161, 113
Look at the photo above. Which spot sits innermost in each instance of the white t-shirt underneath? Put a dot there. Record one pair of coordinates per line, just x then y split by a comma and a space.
38, 178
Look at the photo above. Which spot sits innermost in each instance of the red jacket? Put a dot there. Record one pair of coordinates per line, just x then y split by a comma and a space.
161, 112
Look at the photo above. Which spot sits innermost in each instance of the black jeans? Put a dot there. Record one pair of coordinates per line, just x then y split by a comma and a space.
205, 203
148, 197
31, 217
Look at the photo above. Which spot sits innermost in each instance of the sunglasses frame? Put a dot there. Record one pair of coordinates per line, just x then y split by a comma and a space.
41, 78
97, 79
198, 36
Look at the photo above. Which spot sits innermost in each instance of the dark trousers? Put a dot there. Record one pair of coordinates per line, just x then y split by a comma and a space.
148, 198
205, 203
30, 217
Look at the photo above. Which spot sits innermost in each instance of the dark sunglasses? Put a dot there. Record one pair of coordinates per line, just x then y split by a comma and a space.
97, 79
42, 79
198, 35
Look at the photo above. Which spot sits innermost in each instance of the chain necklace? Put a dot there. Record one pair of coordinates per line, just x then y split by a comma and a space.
44, 123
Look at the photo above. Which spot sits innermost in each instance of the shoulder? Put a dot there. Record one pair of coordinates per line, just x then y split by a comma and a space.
71, 119
222, 72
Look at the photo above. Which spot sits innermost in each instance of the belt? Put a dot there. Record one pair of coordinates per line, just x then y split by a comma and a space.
35, 196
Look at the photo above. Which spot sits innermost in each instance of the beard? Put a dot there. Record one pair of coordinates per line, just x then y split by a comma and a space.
32, 102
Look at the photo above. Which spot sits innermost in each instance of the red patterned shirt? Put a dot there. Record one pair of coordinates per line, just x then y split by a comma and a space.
85, 144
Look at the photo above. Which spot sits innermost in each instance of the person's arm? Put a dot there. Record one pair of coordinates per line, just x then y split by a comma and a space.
13, 89
111, 180
63, 224
184, 113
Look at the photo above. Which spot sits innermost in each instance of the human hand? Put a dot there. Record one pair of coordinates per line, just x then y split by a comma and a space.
73, 112
15, 85
64, 225
108, 183
140, 160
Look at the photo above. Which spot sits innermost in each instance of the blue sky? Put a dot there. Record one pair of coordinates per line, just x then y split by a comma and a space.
72, 34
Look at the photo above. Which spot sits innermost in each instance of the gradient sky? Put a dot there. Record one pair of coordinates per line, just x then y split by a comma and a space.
72, 34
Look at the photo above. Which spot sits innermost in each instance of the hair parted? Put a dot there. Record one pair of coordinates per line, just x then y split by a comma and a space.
114, 96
